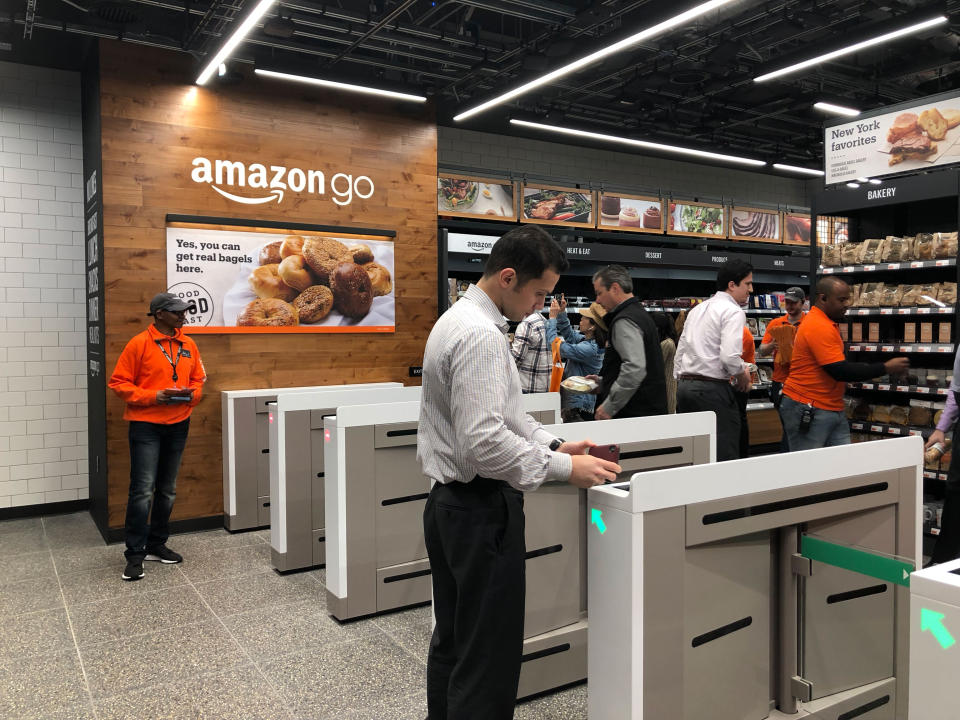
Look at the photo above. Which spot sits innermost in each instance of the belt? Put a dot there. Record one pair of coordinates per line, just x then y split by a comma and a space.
704, 378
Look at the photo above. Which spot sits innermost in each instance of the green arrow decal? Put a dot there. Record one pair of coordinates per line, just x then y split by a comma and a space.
882, 567
933, 621
596, 517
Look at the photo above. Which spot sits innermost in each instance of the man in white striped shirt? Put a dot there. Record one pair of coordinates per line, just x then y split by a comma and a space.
482, 451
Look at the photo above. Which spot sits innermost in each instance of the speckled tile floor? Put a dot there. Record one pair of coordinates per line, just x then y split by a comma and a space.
221, 636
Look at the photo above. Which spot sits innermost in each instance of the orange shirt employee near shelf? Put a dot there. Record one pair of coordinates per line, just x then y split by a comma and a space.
794, 298
160, 376
812, 408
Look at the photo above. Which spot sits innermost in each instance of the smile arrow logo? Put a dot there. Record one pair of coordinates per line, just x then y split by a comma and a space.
933, 621
274, 195
596, 517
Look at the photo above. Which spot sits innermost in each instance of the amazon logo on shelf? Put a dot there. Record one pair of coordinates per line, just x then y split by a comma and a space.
275, 180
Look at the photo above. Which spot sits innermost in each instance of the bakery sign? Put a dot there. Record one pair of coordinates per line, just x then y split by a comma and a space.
256, 184
240, 279
917, 136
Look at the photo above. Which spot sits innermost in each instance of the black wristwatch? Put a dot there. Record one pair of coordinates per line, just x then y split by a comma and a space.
556, 443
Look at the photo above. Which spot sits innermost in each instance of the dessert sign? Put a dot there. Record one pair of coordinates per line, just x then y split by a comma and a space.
630, 213
276, 280
914, 138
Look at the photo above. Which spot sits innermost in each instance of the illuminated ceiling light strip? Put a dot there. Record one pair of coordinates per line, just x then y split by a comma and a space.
853, 48
238, 36
836, 109
798, 169
627, 42
641, 143
340, 85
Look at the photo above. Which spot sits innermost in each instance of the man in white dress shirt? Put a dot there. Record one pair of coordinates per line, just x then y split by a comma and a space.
708, 364
482, 452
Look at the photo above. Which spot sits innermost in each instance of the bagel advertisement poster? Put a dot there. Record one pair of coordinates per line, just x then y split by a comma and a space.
277, 280
918, 137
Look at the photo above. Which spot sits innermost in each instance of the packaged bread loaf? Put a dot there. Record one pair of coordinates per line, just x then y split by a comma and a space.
897, 249
899, 414
910, 295
880, 414
921, 414
870, 294
945, 244
849, 403
948, 293
855, 291
752, 326
849, 252
890, 296
928, 294
829, 255
923, 247
871, 251
863, 411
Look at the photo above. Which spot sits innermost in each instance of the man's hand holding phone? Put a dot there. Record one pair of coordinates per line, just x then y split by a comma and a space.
589, 469
174, 395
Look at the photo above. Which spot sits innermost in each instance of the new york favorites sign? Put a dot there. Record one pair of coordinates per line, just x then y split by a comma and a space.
912, 139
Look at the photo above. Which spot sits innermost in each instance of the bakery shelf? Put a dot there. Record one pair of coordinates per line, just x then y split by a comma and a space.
900, 311
886, 347
890, 387
885, 267
887, 429
935, 474
932, 532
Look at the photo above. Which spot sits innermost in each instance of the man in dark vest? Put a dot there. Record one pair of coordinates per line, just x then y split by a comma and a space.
632, 380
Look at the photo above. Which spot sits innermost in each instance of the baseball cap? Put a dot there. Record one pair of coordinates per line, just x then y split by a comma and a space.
796, 294
595, 312
167, 301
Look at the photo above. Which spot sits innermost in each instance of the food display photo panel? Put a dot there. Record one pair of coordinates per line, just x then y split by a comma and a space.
697, 219
557, 206
796, 228
630, 213
754, 224
472, 197
281, 280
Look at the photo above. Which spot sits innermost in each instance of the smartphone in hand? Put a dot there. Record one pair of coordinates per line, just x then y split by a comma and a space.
606, 452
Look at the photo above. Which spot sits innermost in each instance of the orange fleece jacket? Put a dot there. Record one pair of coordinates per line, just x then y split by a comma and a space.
142, 370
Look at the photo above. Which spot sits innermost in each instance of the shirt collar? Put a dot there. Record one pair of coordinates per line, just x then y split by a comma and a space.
157, 335
487, 306
821, 313
729, 298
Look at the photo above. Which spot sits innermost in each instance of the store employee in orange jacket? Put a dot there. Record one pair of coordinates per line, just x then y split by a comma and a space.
159, 375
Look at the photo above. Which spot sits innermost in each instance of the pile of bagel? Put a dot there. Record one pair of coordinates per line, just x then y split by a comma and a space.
301, 279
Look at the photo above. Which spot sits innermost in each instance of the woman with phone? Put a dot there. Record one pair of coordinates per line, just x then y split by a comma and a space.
581, 351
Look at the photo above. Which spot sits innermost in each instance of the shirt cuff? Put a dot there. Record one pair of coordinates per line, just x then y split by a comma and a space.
542, 436
559, 467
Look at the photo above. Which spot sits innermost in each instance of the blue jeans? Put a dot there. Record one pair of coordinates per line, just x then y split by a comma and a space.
828, 428
155, 452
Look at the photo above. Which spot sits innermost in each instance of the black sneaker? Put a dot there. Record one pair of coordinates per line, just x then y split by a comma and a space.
164, 555
133, 571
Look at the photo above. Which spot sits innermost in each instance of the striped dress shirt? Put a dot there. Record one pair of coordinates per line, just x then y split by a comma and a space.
472, 420
532, 354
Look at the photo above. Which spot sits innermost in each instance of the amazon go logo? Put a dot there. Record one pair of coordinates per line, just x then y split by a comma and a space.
271, 183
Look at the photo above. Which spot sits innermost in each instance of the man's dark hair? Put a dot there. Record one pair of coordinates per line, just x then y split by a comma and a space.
665, 326
732, 271
529, 250
615, 274
828, 285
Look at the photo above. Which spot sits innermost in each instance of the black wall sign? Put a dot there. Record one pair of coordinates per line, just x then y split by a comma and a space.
679, 257
891, 191
97, 370
416, 371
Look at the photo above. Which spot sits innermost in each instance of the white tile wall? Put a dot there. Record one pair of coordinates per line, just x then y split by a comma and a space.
43, 401
469, 148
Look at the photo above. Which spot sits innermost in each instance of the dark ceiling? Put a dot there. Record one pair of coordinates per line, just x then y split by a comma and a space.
691, 86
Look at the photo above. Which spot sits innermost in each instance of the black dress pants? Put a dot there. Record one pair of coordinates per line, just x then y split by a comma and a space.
716, 397
475, 541
744, 438
948, 541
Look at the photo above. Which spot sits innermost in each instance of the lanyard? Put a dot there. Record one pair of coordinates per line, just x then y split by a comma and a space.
173, 362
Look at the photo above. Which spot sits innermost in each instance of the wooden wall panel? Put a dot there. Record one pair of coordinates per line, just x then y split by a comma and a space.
154, 122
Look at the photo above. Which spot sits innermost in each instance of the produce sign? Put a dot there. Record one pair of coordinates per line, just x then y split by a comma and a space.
557, 206
275, 280
461, 196
916, 137
796, 229
754, 224
630, 213
697, 219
